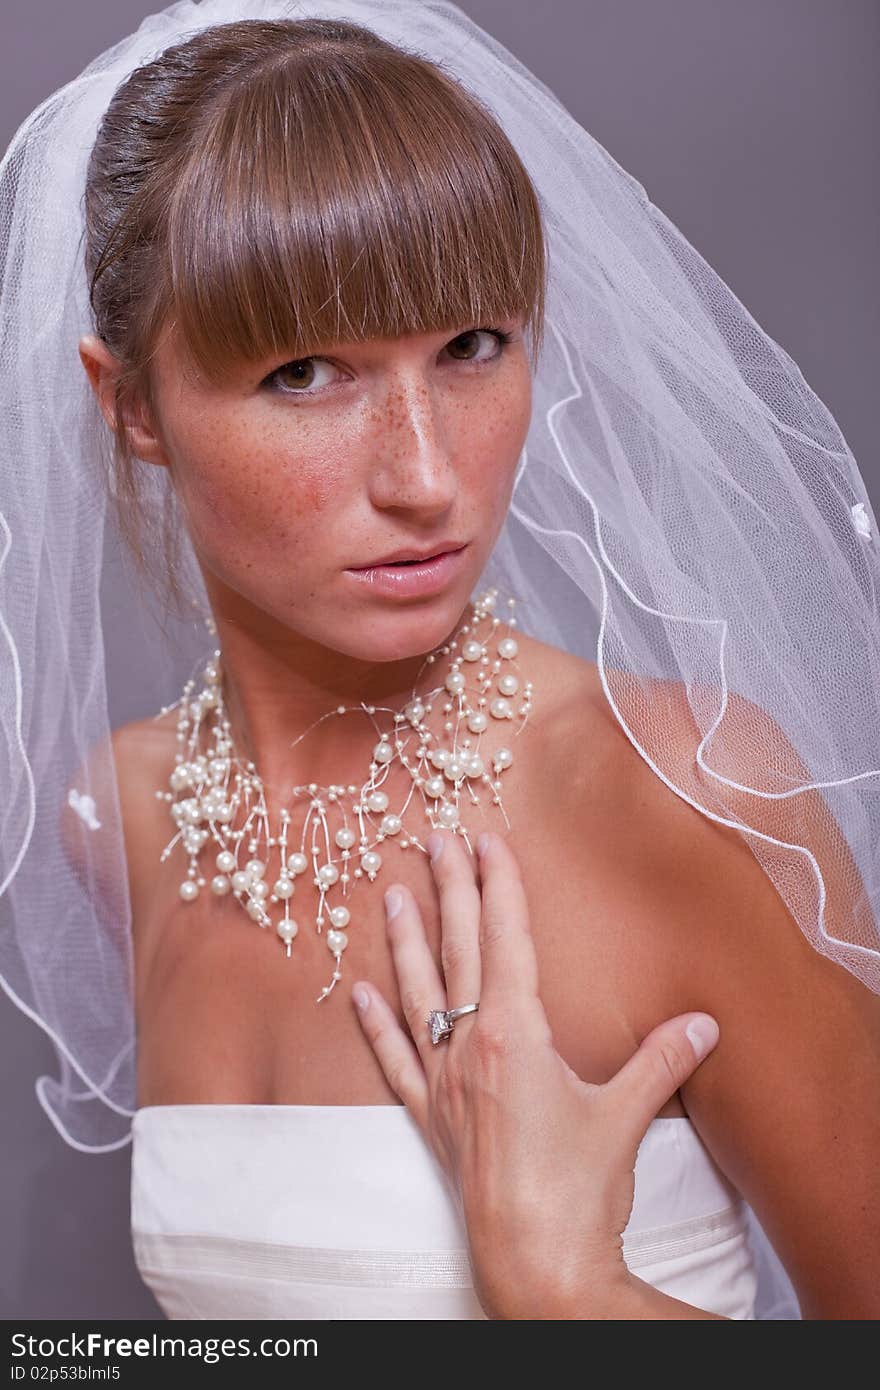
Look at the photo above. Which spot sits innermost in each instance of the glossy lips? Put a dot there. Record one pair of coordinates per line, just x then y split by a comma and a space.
414, 580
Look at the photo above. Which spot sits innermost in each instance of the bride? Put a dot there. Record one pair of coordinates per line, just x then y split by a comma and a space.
319, 273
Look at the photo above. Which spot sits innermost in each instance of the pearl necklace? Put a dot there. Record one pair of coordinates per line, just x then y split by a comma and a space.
207, 787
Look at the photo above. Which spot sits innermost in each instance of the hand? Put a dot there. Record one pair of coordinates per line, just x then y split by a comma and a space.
541, 1160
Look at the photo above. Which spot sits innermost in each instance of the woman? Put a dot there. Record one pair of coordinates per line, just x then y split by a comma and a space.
267, 196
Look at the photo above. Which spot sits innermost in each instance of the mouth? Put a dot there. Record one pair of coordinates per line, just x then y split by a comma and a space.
411, 578
411, 557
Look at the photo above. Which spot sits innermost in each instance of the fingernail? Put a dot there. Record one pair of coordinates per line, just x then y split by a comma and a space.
393, 902
703, 1033
482, 844
434, 845
361, 998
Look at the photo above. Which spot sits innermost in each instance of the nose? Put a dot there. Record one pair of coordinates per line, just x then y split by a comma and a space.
413, 466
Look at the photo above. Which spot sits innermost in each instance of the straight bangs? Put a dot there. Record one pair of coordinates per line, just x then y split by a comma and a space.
365, 195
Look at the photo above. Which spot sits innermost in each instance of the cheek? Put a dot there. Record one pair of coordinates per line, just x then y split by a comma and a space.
246, 494
494, 432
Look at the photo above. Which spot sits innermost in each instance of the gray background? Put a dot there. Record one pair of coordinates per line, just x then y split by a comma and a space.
753, 124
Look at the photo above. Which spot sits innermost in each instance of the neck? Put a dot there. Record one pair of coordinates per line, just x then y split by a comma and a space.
281, 701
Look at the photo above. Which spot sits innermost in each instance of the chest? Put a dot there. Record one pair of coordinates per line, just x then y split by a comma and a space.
225, 1016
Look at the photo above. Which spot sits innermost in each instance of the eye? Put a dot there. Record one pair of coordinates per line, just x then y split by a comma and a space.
301, 371
498, 334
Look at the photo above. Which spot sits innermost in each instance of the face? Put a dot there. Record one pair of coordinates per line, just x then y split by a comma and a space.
300, 470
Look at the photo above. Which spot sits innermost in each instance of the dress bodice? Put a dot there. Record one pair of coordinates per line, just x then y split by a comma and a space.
327, 1211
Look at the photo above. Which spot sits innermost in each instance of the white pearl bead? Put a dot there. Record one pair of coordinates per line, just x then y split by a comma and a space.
340, 916
283, 888
189, 890
371, 862
415, 711
241, 881
455, 682
255, 910
477, 723
454, 769
447, 814
434, 786
475, 767
259, 889
503, 758
508, 685
225, 861
345, 838
500, 708
287, 930
223, 813
438, 757
508, 647
220, 885
297, 863
472, 650
383, 752
337, 941
256, 868
179, 778
391, 824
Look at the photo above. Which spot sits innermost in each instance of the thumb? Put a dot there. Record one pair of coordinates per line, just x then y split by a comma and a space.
665, 1059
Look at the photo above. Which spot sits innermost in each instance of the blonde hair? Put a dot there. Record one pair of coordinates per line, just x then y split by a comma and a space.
275, 186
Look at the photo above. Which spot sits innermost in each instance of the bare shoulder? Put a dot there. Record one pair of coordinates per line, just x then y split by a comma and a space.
126, 767
688, 885
797, 1066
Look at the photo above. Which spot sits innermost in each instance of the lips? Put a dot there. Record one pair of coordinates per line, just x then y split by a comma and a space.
412, 555
418, 579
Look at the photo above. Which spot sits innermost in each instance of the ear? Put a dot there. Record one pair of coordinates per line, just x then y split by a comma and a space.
102, 369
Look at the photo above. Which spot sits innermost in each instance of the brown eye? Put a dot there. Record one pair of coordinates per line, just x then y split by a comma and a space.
469, 344
297, 378
296, 373
299, 373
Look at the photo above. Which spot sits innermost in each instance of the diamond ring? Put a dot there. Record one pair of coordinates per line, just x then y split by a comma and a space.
442, 1021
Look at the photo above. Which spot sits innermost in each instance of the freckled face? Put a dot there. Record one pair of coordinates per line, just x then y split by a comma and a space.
304, 468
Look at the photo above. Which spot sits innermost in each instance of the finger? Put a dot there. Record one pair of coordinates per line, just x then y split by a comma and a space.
418, 980
460, 906
665, 1059
395, 1052
509, 963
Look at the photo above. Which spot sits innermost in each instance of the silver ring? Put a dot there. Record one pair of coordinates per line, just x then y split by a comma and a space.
442, 1021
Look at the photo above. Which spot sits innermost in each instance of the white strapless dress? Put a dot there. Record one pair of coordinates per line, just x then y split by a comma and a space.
329, 1211
342, 1211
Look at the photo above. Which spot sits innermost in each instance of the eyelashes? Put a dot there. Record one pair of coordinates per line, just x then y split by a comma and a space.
270, 383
